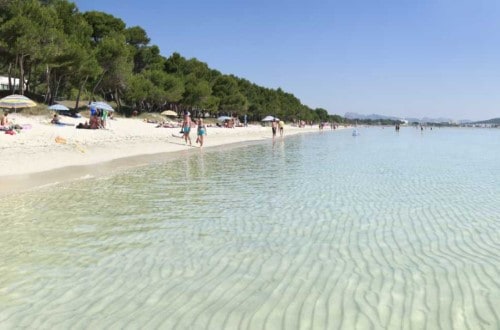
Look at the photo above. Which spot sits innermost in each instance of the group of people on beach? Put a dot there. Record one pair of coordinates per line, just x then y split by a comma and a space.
186, 129
98, 119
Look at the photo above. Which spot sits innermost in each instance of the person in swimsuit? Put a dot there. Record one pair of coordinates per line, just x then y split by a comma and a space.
55, 119
186, 127
94, 122
3, 119
281, 125
274, 126
202, 131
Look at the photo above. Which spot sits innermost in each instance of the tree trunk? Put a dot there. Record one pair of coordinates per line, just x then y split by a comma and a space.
56, 90
10, 76
21, 75
47, 82
33, 83
117, 99
28, 81
13, 86
80, 93
97, 85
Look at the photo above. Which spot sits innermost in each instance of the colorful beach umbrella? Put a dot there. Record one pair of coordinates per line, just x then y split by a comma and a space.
224, 118
16, 102
169, 113
101, 106
58, 107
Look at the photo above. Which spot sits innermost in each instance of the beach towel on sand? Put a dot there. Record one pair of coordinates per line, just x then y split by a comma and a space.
60, 140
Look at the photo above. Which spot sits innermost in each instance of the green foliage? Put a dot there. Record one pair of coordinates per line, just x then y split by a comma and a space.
95, 55
230, 98
321, 114
174, 88
139, 89
136, 36
103, 24
337, 119
195, 91
113, 57
174, 64
211, 103
148, 58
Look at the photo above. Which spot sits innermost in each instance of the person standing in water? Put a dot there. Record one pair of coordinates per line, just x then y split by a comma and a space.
274, 127
281, 125
186, 127
202, 131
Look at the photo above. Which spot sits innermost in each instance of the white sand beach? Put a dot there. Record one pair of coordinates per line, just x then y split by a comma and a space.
44, 146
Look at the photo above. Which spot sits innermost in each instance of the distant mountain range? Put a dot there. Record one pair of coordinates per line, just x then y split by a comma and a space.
490, 121
353, 115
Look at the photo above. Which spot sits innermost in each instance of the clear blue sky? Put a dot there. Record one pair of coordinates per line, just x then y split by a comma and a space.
408, 58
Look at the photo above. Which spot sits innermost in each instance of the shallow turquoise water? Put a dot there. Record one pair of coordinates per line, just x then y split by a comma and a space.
322, 231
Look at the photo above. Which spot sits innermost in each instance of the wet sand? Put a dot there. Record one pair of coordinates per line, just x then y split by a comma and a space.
45, 153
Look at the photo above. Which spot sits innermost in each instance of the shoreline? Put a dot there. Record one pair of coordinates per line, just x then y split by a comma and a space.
16, 183
36, 157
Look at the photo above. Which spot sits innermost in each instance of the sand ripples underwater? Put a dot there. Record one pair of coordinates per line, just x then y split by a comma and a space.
324, 231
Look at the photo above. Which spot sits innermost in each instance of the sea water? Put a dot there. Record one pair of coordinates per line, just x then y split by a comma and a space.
384, 230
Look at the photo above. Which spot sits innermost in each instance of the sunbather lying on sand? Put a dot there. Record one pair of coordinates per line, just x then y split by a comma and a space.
166, 125
55, 120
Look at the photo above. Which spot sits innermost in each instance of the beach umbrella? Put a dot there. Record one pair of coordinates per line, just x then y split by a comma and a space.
101, 106
270, 118
224, 118
58, 107
16, 102
169, 113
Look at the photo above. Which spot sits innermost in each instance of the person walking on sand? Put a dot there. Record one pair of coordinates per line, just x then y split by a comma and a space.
274, 127
281, 125
202, 131
186, 127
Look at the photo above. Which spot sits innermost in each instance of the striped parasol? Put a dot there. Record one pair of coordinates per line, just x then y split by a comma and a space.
16, 102
169, 113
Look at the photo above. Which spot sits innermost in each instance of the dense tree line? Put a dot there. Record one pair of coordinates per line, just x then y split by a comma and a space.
61, 52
